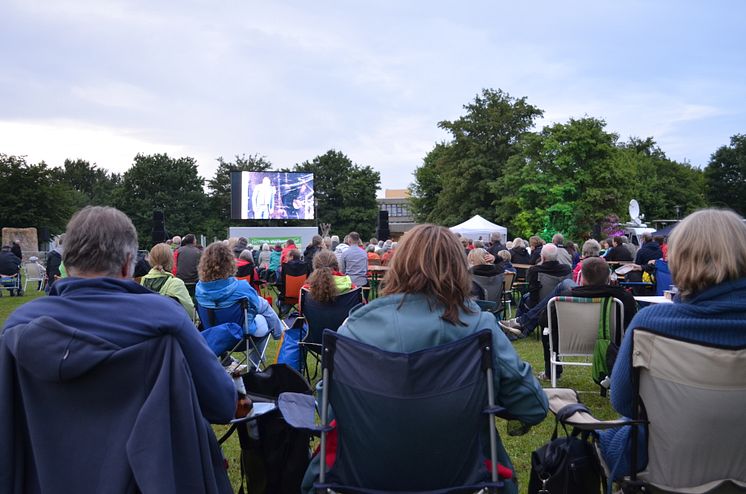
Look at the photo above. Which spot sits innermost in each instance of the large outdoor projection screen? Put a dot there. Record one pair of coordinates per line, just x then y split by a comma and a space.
272, 196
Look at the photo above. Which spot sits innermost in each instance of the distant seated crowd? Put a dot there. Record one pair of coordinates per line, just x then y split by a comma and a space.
117, 372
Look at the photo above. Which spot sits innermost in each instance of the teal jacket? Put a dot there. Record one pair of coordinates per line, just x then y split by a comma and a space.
414, 325
408, 323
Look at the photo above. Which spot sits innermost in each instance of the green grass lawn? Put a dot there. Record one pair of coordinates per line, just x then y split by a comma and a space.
519, 448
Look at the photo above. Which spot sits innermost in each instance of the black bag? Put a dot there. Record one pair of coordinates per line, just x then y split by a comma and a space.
565, 465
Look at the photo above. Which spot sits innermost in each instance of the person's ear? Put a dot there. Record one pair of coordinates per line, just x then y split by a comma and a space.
127, 266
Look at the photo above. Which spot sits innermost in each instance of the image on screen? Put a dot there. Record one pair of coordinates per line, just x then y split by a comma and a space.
273, 196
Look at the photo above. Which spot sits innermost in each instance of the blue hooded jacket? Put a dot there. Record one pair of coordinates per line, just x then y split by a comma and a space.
106, 387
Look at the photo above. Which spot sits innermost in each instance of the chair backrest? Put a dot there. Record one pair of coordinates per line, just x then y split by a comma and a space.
409, 421
508, 279
549, 282
576, 321
238, 313
694, 396
321, 316
293, 279
33, 271
492, 285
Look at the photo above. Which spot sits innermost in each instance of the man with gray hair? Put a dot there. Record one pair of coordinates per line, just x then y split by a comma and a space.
563, 256
103, 370
549, 265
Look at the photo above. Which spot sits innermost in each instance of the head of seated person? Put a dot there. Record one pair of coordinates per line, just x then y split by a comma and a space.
595, 271
480, 263
217, 263
326, 282
701, 252
591, 248
549, 253
100, 242
443, 277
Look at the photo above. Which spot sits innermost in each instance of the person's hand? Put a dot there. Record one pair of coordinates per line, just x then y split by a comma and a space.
489, 258
243, 406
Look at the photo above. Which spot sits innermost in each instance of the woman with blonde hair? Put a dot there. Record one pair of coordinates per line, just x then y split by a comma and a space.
159, 278
710, 308
426, 303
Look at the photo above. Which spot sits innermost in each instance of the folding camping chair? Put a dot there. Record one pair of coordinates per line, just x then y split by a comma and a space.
33, 271
273, 454
409, 421
492, 288
548, 284
507, 296
243, 314
292, 280
319, 317
690, 398
573, 328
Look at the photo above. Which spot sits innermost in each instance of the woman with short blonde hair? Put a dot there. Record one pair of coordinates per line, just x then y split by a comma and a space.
710, 249
707, 259
159, 278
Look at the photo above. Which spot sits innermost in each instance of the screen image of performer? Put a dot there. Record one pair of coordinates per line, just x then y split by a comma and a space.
263, 199
303, 203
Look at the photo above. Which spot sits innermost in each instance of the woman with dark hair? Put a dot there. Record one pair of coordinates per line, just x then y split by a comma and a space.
573, 251
426, 303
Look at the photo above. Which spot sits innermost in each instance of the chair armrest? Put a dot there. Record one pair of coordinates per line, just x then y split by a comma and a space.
559, 398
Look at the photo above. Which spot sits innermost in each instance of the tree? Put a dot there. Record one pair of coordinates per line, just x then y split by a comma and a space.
161, 183
561, 179
345, 192
428, 184
663, 187
725, 175
33, 197
91, 185
219, 187
466, 167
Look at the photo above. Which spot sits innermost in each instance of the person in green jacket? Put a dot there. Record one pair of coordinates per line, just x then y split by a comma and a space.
159, 278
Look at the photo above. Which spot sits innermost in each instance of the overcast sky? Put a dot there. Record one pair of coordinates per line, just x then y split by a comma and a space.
103, 80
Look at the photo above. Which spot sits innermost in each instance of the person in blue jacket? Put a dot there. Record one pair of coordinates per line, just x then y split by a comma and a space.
426, 303
710, 276
218, 287
62, 342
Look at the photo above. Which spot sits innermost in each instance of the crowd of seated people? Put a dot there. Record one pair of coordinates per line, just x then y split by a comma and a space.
100, 308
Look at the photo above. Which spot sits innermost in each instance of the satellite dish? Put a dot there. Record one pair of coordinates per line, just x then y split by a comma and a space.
634, 211
634, 214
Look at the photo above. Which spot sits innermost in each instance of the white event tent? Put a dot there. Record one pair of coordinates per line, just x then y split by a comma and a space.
477, 226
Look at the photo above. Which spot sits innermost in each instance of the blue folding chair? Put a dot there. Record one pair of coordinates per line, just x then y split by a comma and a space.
320, 316
242, 313
409, 422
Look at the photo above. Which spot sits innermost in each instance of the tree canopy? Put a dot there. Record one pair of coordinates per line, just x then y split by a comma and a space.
725, 175
455, 181
33, 196
345, 192
161, 183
